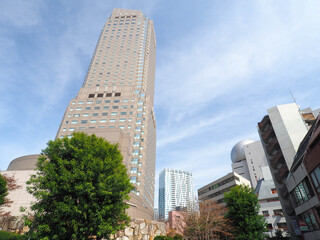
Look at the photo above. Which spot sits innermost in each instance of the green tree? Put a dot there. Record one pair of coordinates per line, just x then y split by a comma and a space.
243, 209
81, 187
3, 189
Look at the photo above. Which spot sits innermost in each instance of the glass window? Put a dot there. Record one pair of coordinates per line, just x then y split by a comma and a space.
88, 108
104, 114
95, 114
85, 115
84, 121
96, 108
89, 102
113, 113
93, 121
74, 122
112, 120
103, 120
134, 170
134, 161
76, 115
135, 152
71, 129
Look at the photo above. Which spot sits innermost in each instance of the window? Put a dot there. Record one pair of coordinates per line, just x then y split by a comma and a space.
76, 115
278, 212
100, 95
95, 114
109, 95
104, 114
79, 108
136, 144
273, 190
116, 101
71, 129
117, 94
133, 179
302, 192
98, 101
74, 122
112, 120
134, 170
315, 176
106, 107
113, 113
137, 136
134, 161
81, 102
96, 108
265, 213
84, 121
91, 95
103, 120
115, 107
135, 152
89, 102
93, 121
88, 108
123, 113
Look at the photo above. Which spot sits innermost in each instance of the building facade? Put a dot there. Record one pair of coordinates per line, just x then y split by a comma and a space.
175, 190
116, 101
270, 206
216, 189
303, 183
281, 132
248, 158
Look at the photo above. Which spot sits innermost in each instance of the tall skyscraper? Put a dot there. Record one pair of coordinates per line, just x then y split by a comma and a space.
116, 100
175, 190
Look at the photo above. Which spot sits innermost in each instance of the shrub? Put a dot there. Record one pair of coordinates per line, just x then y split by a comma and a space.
11, 236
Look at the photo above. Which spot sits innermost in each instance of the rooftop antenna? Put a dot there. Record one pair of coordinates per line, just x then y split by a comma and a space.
292, 96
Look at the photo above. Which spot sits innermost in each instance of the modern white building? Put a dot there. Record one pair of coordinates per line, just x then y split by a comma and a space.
248, 158
281, 132
175, 190
216, 189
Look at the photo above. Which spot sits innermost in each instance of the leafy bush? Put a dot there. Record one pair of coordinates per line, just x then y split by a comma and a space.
11, 236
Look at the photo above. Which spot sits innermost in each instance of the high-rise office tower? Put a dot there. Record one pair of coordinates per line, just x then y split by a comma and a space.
175, 190
116, 100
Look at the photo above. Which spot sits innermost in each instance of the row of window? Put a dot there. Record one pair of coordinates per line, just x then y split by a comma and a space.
276, 212
92, 95
106, 101
302, 192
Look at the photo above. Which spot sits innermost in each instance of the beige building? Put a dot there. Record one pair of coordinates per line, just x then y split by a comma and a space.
216, 189
116, 100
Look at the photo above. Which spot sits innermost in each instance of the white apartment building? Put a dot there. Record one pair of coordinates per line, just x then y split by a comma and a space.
175, 190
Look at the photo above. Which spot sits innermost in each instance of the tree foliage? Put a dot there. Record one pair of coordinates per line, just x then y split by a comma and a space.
81, 187
7, 184
243, 209
208, 224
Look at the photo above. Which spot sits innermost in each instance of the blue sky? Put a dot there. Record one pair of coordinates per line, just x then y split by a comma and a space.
220, 65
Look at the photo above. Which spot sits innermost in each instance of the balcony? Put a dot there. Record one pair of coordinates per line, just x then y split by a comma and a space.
276, 159
272, 146
269, 133
263, 123
281, 173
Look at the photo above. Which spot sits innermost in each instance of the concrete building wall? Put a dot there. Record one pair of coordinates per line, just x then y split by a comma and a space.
216, 189
289, 128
